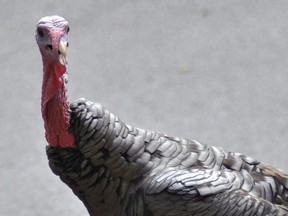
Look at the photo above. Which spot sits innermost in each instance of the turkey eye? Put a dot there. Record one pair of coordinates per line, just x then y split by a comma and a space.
68, 29
40, 32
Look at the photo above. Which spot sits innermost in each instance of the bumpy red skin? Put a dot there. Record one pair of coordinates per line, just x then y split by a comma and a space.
54, 104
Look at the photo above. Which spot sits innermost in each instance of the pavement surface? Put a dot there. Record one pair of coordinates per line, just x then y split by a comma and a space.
205, 70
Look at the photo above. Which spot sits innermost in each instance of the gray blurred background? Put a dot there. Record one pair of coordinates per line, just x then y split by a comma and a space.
215, 71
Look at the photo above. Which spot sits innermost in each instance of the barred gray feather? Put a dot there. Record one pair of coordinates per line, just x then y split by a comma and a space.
118, 169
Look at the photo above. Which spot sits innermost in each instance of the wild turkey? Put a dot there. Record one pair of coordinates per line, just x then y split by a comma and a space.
118, 169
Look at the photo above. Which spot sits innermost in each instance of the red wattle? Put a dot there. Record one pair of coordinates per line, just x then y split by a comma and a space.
55, 108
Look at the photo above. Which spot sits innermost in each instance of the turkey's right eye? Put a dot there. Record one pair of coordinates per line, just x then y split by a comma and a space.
40, 32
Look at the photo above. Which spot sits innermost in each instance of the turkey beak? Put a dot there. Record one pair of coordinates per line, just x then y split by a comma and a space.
63, 45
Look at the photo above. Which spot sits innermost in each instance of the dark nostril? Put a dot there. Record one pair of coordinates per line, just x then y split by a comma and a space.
49, 47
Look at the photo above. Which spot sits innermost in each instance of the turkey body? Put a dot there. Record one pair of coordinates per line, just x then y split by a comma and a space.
118, 169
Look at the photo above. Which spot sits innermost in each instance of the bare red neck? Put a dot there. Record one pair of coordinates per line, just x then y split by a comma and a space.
55, 106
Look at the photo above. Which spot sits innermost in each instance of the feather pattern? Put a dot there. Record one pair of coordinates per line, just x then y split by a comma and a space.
118, 169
